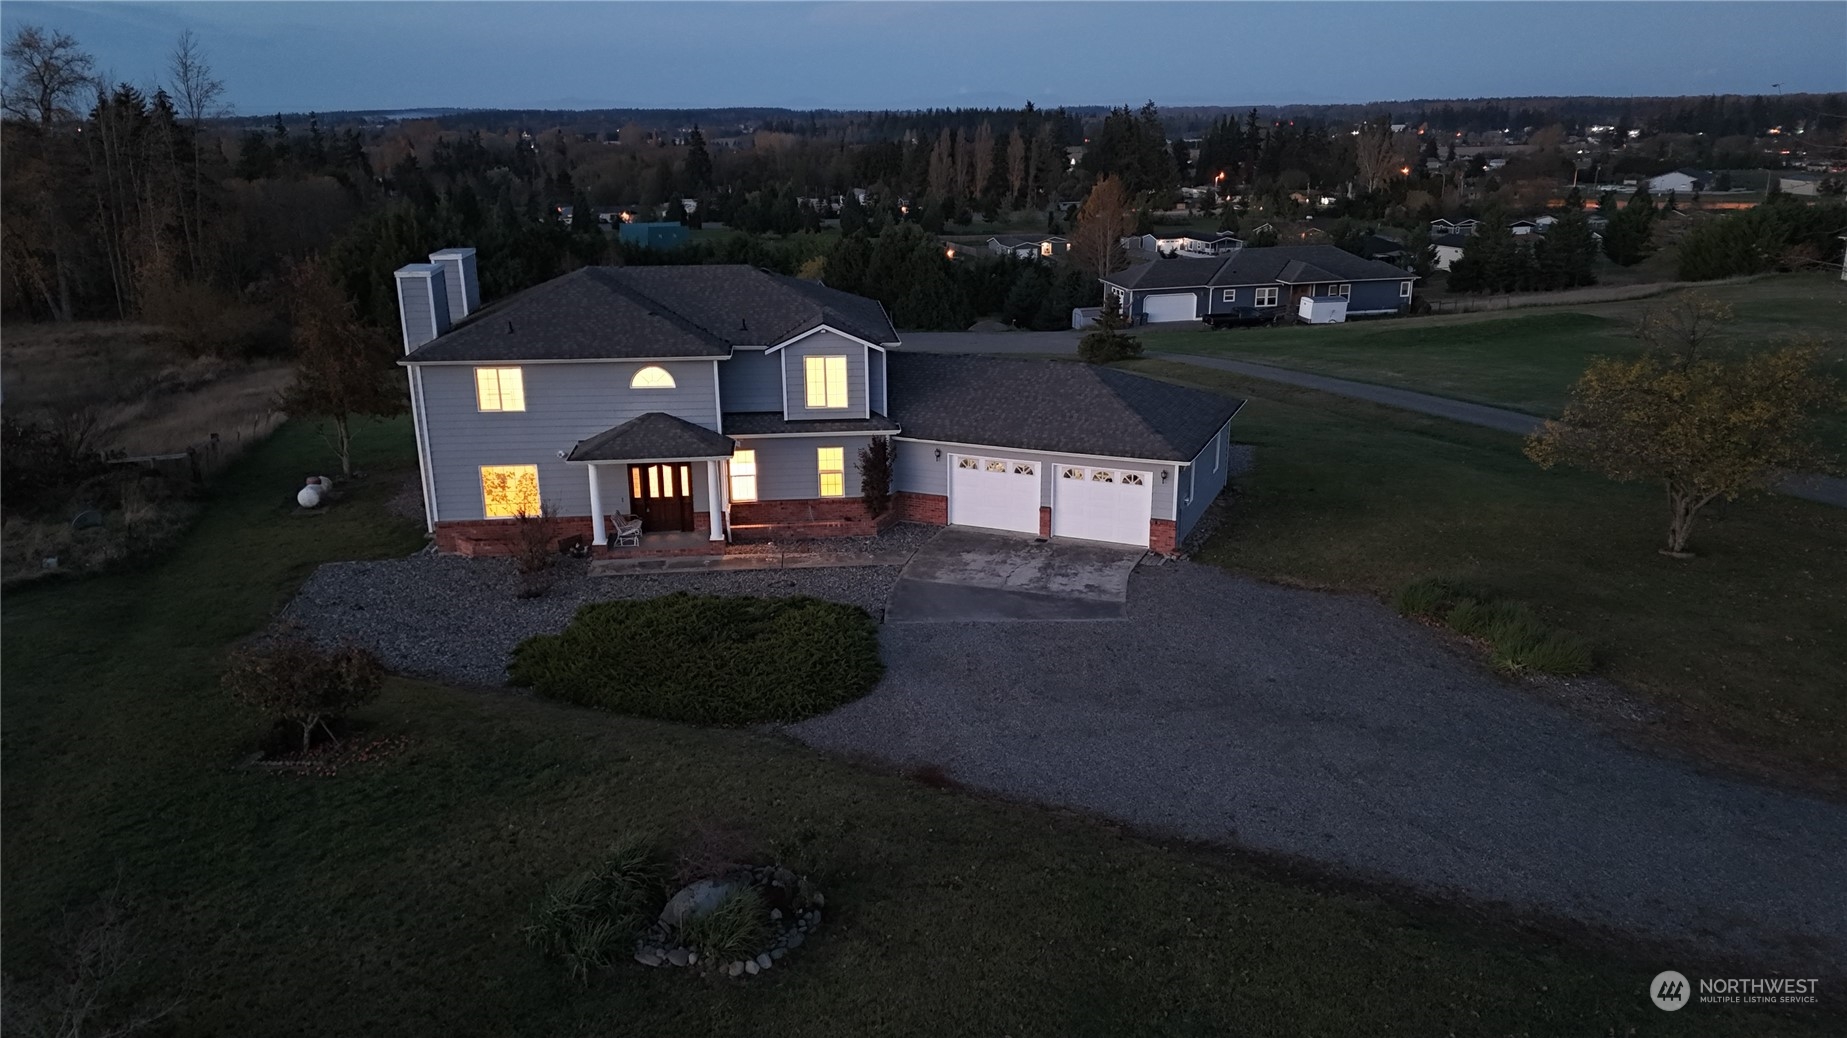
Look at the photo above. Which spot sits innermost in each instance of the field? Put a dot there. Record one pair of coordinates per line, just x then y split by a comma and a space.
1526, 362
388, 899
1737, 655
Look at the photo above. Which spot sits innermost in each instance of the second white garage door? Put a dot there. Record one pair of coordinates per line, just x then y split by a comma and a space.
996, 493
1102, 504
1171, 306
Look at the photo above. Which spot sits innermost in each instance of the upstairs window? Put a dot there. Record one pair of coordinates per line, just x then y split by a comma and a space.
651, 377
826, 379
830, 466
500, 389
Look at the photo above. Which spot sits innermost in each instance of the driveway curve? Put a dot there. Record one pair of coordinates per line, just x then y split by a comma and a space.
1327, 728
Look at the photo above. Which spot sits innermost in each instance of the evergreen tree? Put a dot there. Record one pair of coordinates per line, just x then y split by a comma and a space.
698, 162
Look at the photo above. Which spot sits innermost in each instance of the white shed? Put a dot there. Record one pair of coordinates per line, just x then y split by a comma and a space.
1322, 309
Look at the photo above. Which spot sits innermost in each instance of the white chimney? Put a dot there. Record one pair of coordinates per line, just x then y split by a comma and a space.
423, 311
464, 288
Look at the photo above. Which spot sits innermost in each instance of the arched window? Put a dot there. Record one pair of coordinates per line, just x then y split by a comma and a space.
651, 377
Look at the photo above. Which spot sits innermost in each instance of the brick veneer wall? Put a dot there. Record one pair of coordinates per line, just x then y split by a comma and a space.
808, 510
1045, 521
500, 536
1161, 536
921, 508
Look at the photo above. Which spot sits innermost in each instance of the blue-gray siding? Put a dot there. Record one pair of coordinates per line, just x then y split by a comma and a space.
824, 344
1203, 481
751, 381
788, 467
565, 403
875, 380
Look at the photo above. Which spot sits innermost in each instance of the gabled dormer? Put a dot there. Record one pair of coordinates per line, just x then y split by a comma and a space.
828, 373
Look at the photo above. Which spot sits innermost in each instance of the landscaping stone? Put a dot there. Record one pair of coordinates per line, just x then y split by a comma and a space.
763, 961
794, 940
751, 967
695, 900
649, 957
777, 953
679, 957
735, 969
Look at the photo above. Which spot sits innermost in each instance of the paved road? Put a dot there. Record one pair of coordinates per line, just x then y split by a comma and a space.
1325, 727
1827, 490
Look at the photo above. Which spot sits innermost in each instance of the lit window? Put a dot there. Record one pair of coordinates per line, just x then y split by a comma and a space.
651, 377
509, 490
744, 476
827, 381
1266, 297
830, 462
500, 389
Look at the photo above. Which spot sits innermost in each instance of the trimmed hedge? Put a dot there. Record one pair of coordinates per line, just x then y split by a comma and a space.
1519, 642
706, 659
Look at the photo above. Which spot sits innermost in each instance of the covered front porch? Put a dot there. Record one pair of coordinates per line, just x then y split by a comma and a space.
657, 486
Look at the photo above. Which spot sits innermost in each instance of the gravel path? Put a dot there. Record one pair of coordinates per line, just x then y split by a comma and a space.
1325, 727
454, 618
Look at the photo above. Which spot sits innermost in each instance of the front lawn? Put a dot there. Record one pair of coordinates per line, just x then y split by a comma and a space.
1743, 647
387, 899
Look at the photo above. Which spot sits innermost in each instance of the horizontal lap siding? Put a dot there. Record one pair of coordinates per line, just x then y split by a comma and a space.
918, 470
825, 344
565, 403
1211, 467
788, 468
875, 380
750, 381
1375, 295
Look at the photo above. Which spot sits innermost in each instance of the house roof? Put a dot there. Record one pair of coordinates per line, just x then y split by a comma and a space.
653, 437
1014, 241
613, 313
1052, 405
1291, 264
772, 423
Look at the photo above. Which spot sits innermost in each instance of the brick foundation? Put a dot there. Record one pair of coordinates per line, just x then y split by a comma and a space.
921, 508
1161, 536
501, 536
805, 519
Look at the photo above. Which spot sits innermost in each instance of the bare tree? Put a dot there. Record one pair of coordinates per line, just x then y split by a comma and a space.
199, 96
1376, 155
1016, 163
46, 73
1101, 224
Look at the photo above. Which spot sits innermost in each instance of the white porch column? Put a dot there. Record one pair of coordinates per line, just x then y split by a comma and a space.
599, 529
713, 502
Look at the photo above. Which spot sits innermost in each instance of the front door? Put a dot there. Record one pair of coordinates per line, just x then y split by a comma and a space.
662, 495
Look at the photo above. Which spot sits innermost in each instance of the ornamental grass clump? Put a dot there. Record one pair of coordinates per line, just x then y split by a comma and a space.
706, 659
590, 918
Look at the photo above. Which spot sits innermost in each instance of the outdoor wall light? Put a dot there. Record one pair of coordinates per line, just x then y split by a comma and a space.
1163, 475
939, 454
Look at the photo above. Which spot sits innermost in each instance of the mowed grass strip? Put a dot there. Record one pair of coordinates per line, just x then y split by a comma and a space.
1744, 646
389, 899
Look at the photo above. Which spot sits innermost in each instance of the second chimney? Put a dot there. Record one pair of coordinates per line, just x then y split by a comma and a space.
423, 309
464, 290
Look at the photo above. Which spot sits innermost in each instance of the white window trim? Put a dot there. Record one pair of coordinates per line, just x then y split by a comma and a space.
1229, 295
820, 488
1270, 293
1344, 291
732, 476
1218, 451
481, 483
1404, 290
500, 389
634, 381
846, 383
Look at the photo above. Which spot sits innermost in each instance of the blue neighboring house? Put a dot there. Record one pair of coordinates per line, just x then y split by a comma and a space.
661, 236
1258, 282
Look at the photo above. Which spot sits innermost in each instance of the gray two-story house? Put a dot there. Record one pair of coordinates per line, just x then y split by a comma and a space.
1259, 281
718, 404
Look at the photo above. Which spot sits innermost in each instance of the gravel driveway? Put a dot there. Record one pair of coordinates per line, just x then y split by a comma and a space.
1325, 727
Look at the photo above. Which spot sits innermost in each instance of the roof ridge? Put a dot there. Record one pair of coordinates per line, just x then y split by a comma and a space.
1115, 386
622, 286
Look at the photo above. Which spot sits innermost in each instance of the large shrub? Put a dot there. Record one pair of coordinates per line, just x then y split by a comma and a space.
293, 679
706, 659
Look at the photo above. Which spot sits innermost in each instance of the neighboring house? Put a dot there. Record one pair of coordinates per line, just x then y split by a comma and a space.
1185, 243
655, 235
1385, 249
1801, 183
1029, 246
727, 403
1685, 180
1448, 249
1438, 228
1257, 281
1523, 226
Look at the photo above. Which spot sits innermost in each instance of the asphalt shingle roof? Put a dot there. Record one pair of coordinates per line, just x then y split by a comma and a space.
770, 423
1051, 405
653, 436
1260, 266
604, 313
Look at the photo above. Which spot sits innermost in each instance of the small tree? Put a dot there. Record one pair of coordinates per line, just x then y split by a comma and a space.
1107, 343
1102, 222
299, 682
343, 369
875, 464
1707, 424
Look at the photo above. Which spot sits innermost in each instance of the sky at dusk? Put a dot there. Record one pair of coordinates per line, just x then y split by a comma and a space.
360, 55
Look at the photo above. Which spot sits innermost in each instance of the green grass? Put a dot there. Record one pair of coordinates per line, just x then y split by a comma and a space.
1519, 642
1744, 646
392, 897
1526, 361
707, 659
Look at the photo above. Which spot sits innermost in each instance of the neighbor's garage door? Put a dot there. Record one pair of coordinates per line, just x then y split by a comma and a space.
1102, 504
1171, 306
996, 493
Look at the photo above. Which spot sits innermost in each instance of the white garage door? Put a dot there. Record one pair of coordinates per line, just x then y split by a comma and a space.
1102, 504
996, 493
1171, 306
